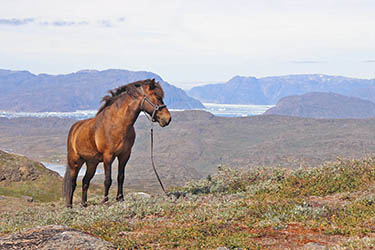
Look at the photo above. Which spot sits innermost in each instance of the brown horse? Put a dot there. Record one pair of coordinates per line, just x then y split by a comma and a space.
111, 134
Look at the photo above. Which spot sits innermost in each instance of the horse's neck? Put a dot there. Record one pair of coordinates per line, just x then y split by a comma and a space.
128, 113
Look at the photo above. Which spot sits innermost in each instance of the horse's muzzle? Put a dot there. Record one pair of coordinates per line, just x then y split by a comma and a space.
165, 122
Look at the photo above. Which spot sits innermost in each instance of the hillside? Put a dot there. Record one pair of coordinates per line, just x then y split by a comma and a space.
329, 206
269, 90
196, 142
323, 105
20, 176
83, 90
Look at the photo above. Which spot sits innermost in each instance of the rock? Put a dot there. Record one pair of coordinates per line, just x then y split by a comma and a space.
53, 237
313, 246
142, 195
27, 198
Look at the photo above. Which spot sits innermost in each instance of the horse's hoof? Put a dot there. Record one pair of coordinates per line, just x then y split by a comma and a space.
69, 206
84, 204
105, 200
120, 198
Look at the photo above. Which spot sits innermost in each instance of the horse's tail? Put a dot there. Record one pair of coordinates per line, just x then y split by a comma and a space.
67, 186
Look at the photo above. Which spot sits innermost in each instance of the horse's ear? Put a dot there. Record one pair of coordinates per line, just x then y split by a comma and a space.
152, 85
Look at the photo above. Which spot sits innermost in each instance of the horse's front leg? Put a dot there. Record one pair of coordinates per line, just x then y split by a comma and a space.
123, 159
108, 159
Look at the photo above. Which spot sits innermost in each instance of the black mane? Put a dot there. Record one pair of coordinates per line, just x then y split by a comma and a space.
130, 89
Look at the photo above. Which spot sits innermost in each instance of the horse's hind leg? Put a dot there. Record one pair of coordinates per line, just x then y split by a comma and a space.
122, 160
90, 172
70, 181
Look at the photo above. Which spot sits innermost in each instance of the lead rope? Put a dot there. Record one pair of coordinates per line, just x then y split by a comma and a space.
152, 159
152, 153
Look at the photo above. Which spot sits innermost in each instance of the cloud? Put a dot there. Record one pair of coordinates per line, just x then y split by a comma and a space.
63, 23
121, 19
106, 23
58, 23
369, 61
306, 62
16, 21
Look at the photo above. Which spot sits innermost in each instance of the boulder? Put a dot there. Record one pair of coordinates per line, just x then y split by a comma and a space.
53, 237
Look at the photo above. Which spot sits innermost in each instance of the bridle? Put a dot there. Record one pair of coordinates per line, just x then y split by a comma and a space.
156, 107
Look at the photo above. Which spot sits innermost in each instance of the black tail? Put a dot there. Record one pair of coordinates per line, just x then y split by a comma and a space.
67, 186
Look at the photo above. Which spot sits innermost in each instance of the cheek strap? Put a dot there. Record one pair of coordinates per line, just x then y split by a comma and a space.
156, 107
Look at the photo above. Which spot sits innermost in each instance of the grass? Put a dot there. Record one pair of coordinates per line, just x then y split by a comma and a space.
44, 189
332, 205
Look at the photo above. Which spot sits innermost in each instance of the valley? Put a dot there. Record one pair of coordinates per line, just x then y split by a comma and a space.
197, 142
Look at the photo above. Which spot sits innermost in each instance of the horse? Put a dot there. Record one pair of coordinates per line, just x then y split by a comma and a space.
111, 134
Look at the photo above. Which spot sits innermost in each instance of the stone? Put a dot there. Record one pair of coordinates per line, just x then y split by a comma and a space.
313, 246
27, 198
53, 237
142, 195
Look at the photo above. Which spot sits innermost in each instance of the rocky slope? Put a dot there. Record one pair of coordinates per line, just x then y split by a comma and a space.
20, 176
323, 105
269, 90
15, 168
24, 91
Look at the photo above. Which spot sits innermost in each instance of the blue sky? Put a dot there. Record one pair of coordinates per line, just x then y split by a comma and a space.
190, 42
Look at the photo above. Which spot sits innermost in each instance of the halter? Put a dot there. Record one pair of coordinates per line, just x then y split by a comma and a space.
156, 107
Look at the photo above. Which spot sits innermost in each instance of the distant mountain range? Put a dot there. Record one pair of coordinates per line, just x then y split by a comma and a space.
269, 90
24, 91
323, 105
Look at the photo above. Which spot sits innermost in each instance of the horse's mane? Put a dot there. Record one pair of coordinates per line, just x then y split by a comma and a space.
131, 90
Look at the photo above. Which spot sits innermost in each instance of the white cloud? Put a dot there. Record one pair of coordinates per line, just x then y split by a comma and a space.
191, 40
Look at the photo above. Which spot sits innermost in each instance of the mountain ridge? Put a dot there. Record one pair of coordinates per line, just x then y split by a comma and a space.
82, 90
269, 90
323, 105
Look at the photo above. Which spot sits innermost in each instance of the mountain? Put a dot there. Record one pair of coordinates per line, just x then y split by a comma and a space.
83, 90
269, 90
323, 105
196, 142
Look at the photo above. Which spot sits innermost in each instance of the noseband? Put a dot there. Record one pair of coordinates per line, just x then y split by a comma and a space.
156, 107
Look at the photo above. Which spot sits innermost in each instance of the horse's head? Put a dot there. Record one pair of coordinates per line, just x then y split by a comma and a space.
152, 102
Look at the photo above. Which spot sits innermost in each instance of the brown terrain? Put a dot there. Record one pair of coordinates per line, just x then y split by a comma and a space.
196, 142
267, 208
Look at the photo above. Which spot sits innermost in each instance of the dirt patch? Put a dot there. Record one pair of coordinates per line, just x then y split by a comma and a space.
295, 236
14, 204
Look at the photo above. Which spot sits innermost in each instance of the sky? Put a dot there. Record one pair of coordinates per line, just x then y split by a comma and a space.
190, 42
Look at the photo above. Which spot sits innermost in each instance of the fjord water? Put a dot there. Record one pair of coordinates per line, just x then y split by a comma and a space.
225, 110
60, 169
